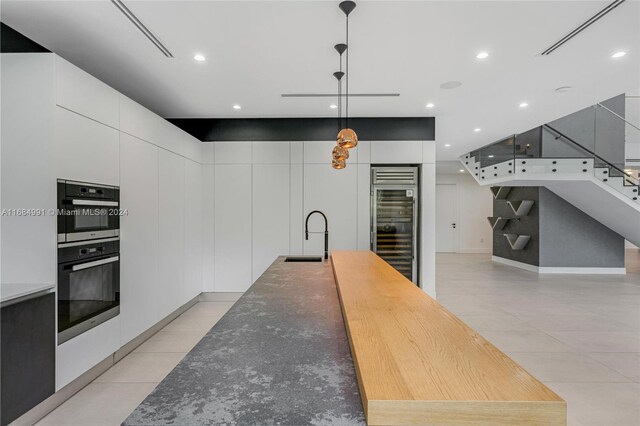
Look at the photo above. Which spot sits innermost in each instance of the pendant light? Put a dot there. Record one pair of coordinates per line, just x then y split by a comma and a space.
339, 154
347, 138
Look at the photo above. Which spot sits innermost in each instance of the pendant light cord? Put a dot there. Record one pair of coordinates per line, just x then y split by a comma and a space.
347, 81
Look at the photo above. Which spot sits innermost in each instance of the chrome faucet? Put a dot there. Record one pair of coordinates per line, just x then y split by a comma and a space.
326, 232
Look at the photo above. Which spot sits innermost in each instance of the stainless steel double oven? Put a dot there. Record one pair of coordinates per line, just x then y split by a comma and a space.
88, 256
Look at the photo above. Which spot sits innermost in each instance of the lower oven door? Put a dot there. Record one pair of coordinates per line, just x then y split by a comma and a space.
88, 294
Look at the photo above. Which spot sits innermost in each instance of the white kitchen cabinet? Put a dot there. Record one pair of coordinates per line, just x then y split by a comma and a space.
296, 204
396, 152
139, 245
79, 91
270, 152
86, 150
29, 252
319, 152
74, 357
232, 227
171, 240
428, 152
208, 227
296, 150
335, 193
208, 153
232, 152
192, 230
270, 215
364, 206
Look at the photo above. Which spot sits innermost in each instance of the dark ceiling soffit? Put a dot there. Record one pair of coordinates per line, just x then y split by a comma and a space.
305, 129
11, 41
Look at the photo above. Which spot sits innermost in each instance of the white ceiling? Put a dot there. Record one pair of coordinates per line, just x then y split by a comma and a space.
257, 50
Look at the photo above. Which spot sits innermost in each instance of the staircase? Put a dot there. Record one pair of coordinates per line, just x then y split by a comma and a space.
607, 192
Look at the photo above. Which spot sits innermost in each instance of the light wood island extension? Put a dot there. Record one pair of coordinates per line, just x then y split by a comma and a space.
417, 363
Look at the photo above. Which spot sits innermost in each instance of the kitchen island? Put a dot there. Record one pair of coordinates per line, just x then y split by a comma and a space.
280, 355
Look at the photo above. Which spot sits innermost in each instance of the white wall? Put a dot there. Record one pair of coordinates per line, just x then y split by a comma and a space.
256, 196
474, 205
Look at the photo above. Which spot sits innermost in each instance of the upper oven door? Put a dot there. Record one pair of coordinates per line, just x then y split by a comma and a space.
88, 212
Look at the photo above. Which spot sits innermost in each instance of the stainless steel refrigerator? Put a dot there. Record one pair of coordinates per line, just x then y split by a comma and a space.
394, 217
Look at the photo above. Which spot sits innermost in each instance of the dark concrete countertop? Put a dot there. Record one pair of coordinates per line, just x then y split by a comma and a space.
280, 355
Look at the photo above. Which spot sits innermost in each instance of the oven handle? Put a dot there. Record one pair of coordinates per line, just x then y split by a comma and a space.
94, 203
95, 263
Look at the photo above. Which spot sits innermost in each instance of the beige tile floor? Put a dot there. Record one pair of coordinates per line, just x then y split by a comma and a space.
117, 392
578, 334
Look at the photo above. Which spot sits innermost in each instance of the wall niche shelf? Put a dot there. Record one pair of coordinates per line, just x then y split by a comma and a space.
497, 223
521, 208
517, 242
500, 192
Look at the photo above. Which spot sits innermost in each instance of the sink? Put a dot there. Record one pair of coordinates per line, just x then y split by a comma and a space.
303, 259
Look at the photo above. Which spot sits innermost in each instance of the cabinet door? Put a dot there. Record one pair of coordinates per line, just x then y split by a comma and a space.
396, 152
138, 235
270, 215
192, 230
28, 355
28, 179
208, 227
171, 237
86, 150
232, 227
79, 91
334, 192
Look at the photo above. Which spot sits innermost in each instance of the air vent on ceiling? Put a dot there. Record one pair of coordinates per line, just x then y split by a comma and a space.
334, 95
583, 26
395, 175
142, 27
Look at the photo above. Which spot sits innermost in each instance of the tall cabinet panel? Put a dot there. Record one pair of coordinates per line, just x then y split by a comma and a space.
171, 233
270, 215
233, 227
28, 177
208, 227
192, 230
138, 235
335, 193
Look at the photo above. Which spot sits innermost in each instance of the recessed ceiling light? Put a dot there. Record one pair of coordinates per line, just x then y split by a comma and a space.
524, 105
461, 170
563, 89
447, 145
619, 54
490, 156
482, 55
333, 106
198, 57
237, 106
477, 129
430, 105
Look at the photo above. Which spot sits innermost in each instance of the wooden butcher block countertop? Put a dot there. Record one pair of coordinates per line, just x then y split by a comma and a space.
417, 363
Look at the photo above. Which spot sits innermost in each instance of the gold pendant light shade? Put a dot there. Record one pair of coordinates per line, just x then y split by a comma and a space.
340, 153
339, 164
347, 138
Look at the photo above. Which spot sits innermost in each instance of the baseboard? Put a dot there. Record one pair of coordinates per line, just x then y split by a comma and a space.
521, 265
559, 270
475, 251
38, 412
219, 297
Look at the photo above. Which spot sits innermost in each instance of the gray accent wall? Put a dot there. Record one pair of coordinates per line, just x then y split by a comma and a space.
526, 225
571, 238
